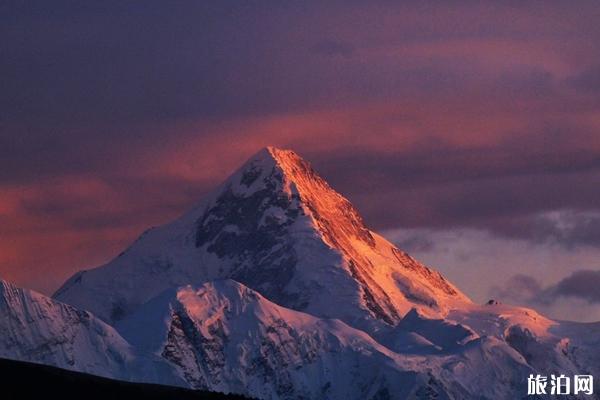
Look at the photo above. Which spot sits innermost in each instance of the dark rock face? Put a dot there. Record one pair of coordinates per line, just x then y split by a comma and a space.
251, 175
178, 347
539, 354
201, 359
240, 227
252, 230
434, 390
383, 310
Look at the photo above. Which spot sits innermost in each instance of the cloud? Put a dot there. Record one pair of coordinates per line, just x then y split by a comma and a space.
565, 227
544, 275
519, 288
580, 285
574, 297
509, 189
583, 284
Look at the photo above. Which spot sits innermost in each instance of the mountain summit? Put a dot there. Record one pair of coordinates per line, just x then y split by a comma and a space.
273, 287
277, 227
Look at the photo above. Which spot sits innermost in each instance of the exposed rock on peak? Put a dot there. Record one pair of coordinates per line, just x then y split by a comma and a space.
273, 287
276, 226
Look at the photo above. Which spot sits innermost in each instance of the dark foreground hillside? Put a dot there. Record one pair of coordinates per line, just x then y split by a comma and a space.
20, 380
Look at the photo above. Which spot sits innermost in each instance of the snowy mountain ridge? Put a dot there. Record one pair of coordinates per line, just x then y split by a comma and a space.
273, 287
223, 336
38, 329
277, 227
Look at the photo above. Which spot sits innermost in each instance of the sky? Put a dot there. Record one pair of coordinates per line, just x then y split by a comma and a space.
467, 132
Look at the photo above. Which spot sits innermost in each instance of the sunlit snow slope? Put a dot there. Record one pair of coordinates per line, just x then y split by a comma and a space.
277, 227
273, 287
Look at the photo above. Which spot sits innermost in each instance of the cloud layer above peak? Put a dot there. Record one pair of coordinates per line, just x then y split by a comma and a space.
429, 117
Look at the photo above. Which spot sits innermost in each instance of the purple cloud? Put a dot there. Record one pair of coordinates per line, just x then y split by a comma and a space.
581, 284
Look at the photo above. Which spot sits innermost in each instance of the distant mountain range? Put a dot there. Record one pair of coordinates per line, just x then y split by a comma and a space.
273, 287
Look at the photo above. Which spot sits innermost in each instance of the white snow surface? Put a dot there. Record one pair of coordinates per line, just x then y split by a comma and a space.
38, 329
224, 336
277, 227
273, 287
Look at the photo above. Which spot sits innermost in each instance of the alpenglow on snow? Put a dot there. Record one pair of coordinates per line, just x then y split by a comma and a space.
273, 287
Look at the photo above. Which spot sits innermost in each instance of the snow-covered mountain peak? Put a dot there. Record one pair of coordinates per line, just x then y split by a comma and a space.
274, 287
283, 173
292, 197
224, 336
277, 227
211, 304
277, 187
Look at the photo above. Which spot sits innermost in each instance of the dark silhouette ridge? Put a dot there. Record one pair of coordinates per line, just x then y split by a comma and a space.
22, 380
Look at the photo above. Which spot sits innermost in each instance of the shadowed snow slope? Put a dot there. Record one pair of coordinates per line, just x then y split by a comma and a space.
38, 329
277, 227
273, 287
226, 337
